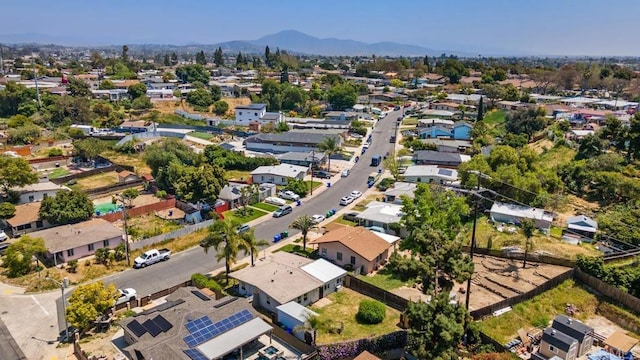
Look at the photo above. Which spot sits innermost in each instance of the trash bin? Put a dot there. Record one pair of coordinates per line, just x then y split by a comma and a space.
276, 238
298, 202
329, 184
327, 214
370, 184
333, 212
284, 234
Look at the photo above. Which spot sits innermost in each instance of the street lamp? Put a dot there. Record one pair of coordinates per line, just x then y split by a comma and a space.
117, 198
64, 284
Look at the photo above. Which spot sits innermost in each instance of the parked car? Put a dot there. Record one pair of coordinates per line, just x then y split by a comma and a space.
376, 229
322, 174
317, 218
345, 172
282, 211
125, 295
396, 108
275, 201
289, 195
151, 257
3, 248
357, 158
402, 170
355, 194
243, 228
3, 236
351, 216
346, 200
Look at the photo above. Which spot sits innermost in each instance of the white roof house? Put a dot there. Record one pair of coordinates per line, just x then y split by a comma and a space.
278, 174
323, 270
512, 213
380, 214
430, 174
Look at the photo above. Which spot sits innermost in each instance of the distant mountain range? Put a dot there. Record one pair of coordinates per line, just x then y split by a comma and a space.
290, 40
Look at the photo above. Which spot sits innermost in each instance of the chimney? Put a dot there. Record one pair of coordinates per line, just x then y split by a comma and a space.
553, 331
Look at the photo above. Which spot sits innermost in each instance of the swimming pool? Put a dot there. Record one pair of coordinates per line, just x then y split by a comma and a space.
105, 208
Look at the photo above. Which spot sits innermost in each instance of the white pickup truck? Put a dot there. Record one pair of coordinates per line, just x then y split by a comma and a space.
151, 257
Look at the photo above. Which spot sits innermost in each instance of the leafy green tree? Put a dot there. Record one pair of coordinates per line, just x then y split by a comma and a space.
193, 183
27, 134
218, 57
226, 241
67, 207
106, 84
15, 172
282, 127
220, 107
137, 90
159, 155
216, 92
298, 186
141, 103
200, 58
251, 244
436, 328
433, 223
18, 256
480, 115
304, 223
634, 136
12, 96
7, 210
527, 122
590, 146
89, 149
510, 93
193, 73
342, 96
69, 110
330, 146
200, 97
230, 160
129, 195
88, 302
78, 88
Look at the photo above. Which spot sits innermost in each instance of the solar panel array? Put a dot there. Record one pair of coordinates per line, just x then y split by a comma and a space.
203, 329
224, 302
195, 354
202, 296
153, 326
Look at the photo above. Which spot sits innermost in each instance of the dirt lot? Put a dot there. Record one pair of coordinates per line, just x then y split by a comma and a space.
494, 280
99, 180
143, 199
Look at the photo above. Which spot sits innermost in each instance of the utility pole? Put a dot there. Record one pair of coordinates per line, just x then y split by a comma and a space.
117, 197
63, 285
1, 60
35, 79
313, 160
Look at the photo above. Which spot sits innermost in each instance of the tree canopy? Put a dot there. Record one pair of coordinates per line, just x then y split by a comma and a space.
18, 256
193, 73
89, 148
15, 172
67, 207
88, 302
342, 96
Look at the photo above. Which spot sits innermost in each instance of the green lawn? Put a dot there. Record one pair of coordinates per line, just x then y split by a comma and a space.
410, 121
343, 308
201, 135
297, 249
58, 173
495, 117
342, 221
164, 118
385, 279
231, 216
237, 175
556, 156
266, 207
314, 183
540, 310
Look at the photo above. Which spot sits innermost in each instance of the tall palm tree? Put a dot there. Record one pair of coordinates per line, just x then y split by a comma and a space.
330, 146
304, 223
250, 244
528, 226
225, 240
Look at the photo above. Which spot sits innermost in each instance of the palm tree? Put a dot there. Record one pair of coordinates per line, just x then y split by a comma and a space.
304, 223
528, 226
226, 241
250, 244
330, 146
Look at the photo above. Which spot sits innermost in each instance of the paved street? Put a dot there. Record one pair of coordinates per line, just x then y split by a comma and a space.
33, 336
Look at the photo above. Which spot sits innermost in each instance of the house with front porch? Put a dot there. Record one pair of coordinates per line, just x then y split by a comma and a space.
430, 174
289, 141
282, 277
441, 159
232, 193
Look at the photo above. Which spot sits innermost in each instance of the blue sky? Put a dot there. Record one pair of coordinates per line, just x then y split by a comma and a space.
554, 27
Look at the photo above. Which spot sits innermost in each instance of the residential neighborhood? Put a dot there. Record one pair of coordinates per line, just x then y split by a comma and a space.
271, 200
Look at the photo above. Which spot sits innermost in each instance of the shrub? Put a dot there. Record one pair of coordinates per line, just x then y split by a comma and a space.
201, 281
54, 152
72, 266
371, 312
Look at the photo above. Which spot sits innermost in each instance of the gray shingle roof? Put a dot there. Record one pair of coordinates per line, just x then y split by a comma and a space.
558, 339
291, 137
251, 107
571, 327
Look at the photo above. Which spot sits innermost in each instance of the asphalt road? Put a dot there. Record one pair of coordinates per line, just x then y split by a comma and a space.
180, 267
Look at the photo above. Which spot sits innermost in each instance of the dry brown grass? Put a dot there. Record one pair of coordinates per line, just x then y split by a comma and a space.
134, 160
99, 180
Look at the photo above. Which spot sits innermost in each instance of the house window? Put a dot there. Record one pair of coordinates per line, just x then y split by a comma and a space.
339, 256
353, 260
339, 281
39, 224
31, 198
255, 114
90, 247
418, 180
239, 112
70, 252
299, 299
553, 349
305, 298
324, 251
27, 226
105, 243
268, 300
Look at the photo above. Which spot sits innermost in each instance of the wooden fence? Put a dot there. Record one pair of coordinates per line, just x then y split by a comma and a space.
488, 310
616, 295
533, 257
140, 210
170, 235
112, 188
397, 302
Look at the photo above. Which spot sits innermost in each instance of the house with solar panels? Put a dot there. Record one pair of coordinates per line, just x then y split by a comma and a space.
430, 174
190, 325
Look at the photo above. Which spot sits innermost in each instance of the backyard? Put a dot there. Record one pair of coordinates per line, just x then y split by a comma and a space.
385, 279
343, 306
146, 226
134, 160
201, 135
58, 173
96, 181
237, 175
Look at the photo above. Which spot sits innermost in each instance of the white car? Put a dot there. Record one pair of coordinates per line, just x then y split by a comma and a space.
288, 195
355, 194
126, 295
275, 201
346, 200
3, 236
317, 219
345, 172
